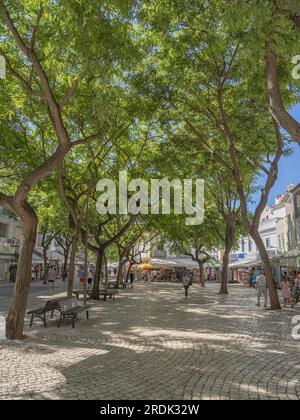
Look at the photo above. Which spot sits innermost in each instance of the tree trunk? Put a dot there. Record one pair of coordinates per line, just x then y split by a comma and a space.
128, 272
105, 271
98, 271
224, 275
16, 314
202, 274
85, 270
274, 299
71, 271
120, 273
66, 258
225, 268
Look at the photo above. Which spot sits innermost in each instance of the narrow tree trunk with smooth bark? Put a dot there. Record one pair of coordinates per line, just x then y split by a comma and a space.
224, 274
120, 273
229, 239
66, 259
71, 272
106, 271
274, 298
98, 271
202, 274
16, 314
128, 272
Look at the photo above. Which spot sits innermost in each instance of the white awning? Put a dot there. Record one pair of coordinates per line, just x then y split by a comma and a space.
246, 263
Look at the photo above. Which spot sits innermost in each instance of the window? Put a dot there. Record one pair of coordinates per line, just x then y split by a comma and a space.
3, 230
279, 242
243, 245
250, 245
290, 239
39, 240
268, 243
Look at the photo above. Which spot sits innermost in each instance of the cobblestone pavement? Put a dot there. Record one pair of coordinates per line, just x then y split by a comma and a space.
150, 343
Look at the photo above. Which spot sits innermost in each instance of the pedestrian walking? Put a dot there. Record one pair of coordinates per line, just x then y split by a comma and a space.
131, 278
262, 288
286, 290
35, 273
64, 276
186, 284
90, 277
51, 278
81, 277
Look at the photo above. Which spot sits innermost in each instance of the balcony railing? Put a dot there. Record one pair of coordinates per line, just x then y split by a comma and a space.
9, 243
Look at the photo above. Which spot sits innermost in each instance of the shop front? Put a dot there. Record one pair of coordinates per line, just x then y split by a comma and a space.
8, 259
246, 272
289, 263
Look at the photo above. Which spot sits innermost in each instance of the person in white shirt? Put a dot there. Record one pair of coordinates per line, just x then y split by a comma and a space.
262, 288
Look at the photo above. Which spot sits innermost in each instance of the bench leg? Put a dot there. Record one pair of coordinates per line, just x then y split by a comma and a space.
31, 321
73, 321
45, 321
105, 298
59, 321
87, 315
52, 313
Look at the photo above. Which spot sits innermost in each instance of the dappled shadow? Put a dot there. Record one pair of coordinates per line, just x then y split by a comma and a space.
152, 343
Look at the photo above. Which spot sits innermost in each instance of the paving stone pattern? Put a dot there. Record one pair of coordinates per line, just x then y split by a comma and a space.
150, 343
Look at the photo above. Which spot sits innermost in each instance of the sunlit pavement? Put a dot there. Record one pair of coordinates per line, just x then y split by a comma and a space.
150, 343
7, 289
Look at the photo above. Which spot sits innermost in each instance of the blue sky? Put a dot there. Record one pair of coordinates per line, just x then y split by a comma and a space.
289, 168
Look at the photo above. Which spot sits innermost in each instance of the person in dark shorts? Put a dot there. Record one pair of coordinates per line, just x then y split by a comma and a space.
90, 278
131, 278
186, 282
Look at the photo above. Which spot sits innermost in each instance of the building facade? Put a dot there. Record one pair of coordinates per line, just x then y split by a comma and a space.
10, 234
280, 231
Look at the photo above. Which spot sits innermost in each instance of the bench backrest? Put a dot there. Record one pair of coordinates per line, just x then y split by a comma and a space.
66, 304
52, 305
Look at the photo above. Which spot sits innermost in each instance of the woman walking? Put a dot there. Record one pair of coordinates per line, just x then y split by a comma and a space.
286, 290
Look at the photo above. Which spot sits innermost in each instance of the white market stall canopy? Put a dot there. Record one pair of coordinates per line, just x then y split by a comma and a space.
157, 263
245, 263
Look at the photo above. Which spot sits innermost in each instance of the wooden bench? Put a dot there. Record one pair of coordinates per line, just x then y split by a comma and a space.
102, 293
69, 308
106, 293
112, 285
80, 292
121, 285
41, 312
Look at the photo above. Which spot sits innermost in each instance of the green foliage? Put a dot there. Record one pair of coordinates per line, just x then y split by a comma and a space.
148, 74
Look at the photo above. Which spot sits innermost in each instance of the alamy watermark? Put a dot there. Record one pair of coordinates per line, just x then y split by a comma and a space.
296, 69
2, 67
296, 328
152, 197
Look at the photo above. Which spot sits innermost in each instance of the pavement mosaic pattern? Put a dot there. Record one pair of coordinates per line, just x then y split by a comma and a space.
150, 343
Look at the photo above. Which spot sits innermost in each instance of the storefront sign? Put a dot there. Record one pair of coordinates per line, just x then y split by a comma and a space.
241, 256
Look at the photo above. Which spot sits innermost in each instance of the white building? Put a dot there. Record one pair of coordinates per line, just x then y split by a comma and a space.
273, 229
10, 234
